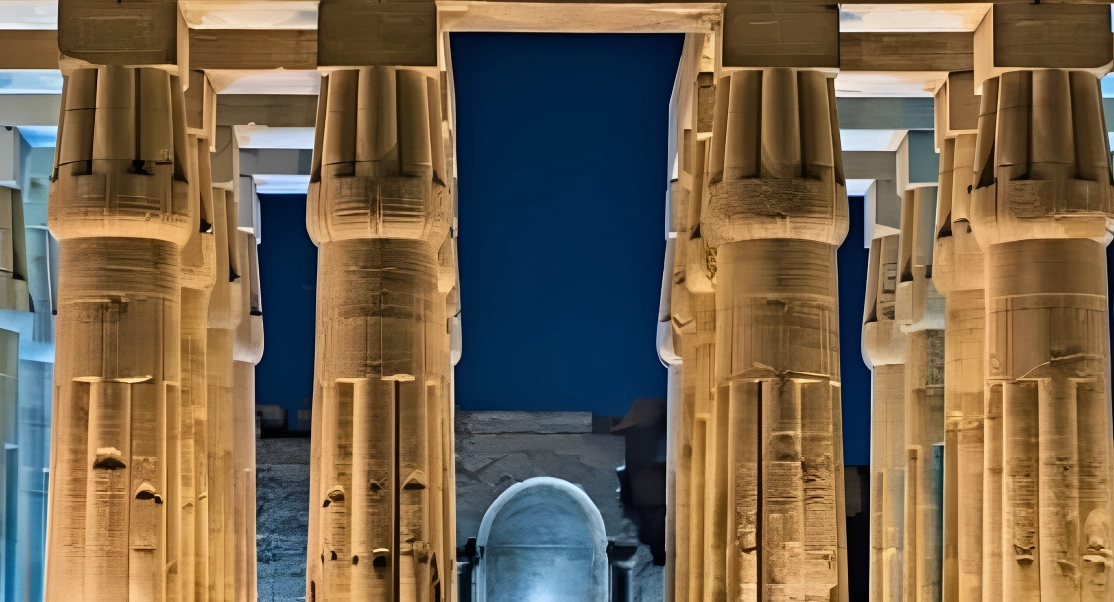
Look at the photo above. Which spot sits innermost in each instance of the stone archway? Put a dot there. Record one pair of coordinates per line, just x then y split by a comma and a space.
542, 540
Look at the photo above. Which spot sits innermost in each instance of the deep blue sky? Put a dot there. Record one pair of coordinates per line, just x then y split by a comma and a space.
562, 178
853, 258
561, 143
288, 283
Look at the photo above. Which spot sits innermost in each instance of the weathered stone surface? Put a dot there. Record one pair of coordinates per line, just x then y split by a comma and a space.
282, 498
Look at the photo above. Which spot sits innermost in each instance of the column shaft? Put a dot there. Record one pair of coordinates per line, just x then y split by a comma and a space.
884, 350
377, 526
1040, 206
121, 207
775, 210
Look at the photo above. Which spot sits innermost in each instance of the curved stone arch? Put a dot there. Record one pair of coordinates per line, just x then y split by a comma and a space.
542, 539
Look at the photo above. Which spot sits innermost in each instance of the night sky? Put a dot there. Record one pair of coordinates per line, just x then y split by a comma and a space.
561, 143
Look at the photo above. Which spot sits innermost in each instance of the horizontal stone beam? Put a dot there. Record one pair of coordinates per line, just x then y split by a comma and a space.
28, 49
253, 49
264, 49
885, 113
906, 51
273, 110
29, 109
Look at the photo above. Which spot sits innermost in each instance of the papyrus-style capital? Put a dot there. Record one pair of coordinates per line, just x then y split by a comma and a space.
379, 171
123, 159
1042, 158
774, 166
883, 340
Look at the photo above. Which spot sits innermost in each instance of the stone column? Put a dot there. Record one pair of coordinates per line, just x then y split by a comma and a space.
198, 276
225, 314
692, 318
379, 210
1042, 197
884, 352
775, 212
247, 350
957, 272
121, 208
197, 261
1040, 205
920, 310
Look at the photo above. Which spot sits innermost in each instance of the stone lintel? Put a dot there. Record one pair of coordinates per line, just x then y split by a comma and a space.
124, 32
356, 33
783, 34
1018, 37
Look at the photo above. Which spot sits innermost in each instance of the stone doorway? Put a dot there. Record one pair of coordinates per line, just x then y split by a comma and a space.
542, 540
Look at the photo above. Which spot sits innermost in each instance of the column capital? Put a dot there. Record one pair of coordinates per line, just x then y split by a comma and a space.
123, 164
1042, 158
380, 172
774, 166
883, 341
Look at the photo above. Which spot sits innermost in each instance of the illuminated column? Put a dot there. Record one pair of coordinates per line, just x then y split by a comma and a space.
247, 351
692, 333
957, 272
775, 211
198, 276
225, 313
919, 309
379, 209
1041, 199
884, 352
121, 207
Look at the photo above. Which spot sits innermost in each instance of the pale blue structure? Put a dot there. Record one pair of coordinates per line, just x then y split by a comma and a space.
29, 335
542, 540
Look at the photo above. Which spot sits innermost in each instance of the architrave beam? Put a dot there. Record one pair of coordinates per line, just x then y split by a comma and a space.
906, 51
253, 49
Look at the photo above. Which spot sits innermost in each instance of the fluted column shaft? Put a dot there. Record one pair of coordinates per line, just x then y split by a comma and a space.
958, 273
379, 211
919, 311
1042, 196
776, 209
247, 350
225, 314
884, 351
121, 208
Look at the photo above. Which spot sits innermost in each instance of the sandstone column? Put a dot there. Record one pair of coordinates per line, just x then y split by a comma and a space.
121, 208
958, 273
919, 309
884, 352
1041, 199
379, 209
198, 277
247, 350
225, 313
775, 212
692, 313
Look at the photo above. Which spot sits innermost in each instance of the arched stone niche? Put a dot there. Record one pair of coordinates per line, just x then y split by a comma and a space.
542, 540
